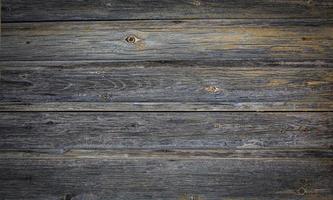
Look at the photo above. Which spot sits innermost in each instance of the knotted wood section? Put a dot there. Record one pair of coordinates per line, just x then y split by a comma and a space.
218, 39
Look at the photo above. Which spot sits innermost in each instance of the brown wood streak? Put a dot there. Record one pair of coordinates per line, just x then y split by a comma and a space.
37, 178
233, 39
165, 130
40, 10
166, 86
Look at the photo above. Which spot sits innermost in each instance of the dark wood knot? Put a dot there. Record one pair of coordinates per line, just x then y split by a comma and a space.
131, 39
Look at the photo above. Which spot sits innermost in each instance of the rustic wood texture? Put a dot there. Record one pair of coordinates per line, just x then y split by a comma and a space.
141, 130
217, 39
35, 177
54, 10
318, 154
186, 77
183, 86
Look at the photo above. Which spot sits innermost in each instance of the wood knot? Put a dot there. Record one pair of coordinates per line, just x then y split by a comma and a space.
213, 89
132, 39
301, 191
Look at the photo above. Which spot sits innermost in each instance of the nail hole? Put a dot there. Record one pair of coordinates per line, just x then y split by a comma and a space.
27, 42
131, 39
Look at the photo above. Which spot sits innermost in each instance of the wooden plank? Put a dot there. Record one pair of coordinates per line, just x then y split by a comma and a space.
142, 130
169, 86
172, 154
232, 39
159, 178
167, 106
39, 10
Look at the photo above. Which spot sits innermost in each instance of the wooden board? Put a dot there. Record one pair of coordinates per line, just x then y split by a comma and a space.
166, 99
233, 39
93, 178
53, 10
182, 86
142, 130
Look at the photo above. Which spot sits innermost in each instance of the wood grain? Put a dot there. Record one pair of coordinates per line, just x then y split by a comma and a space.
78, 60
182, 86
232, 39
318, 154
54, 10
32, 177
142, 130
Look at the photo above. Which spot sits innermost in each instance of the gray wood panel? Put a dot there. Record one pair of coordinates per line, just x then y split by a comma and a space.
319, 154
141, 130
182, 86
167, 106
50, 178
72, 57
233, 39
41, 10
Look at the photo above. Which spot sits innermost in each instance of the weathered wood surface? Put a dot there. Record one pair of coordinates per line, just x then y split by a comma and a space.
61, 177
177, 85
217, 39
191, 55
318, 154
54, 10
167, 106
194, 86
142, 130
